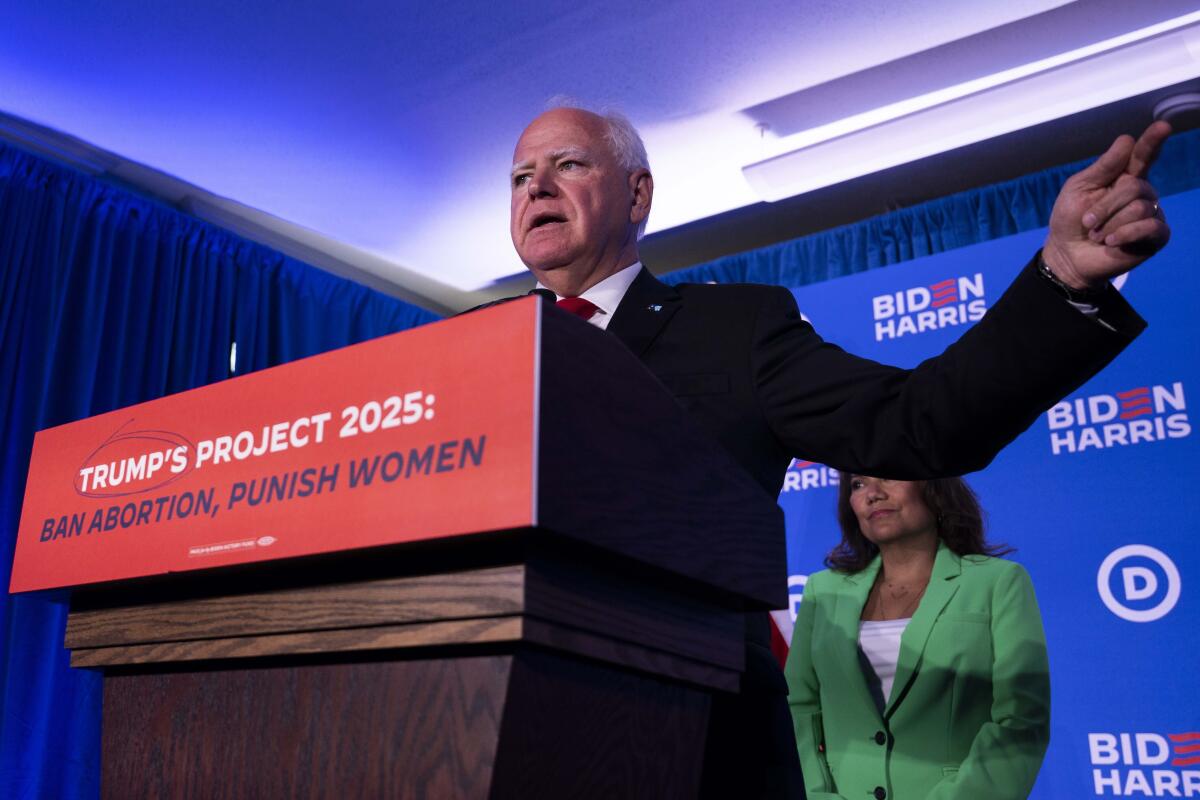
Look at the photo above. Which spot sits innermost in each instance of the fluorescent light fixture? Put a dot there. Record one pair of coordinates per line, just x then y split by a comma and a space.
977, 110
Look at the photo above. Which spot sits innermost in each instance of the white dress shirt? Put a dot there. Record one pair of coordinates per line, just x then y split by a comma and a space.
606, 295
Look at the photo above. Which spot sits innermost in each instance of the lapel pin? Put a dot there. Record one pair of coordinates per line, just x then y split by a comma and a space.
655, 307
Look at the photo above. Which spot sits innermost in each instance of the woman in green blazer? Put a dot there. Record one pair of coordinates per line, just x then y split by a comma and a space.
918, 663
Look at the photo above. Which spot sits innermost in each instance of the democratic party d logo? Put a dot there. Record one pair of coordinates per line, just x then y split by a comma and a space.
1139, 583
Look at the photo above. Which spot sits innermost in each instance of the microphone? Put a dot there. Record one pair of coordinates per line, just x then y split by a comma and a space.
547, 295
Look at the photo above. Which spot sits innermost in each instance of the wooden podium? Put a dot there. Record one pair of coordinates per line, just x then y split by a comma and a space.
574, 656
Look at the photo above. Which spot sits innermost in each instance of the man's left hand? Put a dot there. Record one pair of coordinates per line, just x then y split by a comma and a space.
1106, 219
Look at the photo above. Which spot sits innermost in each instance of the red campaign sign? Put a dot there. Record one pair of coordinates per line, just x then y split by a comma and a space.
418, 435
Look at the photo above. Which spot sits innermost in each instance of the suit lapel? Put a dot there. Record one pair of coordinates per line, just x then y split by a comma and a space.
942, 586
644, 311
847, 617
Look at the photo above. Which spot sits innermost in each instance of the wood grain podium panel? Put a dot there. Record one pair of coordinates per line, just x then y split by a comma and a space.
406, 729
616, 734
561, 603
527, 725
472, 594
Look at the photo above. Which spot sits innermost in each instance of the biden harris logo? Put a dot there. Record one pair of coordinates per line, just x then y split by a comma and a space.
1145, 764
804, 475
1139, 583
945, 304
1133, 416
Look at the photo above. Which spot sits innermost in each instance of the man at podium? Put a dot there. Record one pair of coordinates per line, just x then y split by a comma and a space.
757, 377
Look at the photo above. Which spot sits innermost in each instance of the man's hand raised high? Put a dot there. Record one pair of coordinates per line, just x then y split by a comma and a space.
1106, 219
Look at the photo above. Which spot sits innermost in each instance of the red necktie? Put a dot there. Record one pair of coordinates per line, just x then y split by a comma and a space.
584, 309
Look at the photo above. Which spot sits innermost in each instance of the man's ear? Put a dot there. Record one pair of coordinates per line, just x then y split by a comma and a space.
641, 186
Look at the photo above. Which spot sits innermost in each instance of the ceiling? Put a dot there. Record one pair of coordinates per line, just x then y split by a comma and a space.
374, 138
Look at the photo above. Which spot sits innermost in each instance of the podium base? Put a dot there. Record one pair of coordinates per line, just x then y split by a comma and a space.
527, 723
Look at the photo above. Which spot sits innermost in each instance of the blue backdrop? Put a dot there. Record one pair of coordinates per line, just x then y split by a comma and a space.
1098, 498
963, 219
109, 299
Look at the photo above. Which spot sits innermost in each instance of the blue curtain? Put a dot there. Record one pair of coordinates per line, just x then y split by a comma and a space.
108, 299
974, 216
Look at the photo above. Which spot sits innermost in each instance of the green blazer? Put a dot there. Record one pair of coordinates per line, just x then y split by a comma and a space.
969, 713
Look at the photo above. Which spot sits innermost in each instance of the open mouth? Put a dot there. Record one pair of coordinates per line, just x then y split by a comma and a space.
542, 220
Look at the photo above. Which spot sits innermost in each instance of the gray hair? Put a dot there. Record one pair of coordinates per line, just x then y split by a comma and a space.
622, 137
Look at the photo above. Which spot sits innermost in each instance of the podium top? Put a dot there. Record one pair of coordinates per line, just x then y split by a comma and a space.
512, 417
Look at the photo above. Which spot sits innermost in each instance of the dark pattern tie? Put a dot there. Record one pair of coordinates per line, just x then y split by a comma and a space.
584, 309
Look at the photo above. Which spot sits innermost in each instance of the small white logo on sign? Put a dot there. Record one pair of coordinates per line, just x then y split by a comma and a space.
1138, 583
794, 597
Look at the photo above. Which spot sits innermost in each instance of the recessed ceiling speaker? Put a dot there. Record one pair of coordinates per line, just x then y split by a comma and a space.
1181, 110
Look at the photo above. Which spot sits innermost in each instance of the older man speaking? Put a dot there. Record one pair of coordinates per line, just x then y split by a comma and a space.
759, 379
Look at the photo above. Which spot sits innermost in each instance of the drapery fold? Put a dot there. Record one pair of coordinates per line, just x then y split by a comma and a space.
969, 217
109, 299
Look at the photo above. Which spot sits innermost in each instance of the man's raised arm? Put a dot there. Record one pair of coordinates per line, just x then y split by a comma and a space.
1106, 220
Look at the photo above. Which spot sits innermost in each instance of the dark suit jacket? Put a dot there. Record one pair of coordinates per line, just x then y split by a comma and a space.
759, 379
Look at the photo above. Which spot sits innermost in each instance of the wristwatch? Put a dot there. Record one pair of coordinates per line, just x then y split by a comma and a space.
1089, 297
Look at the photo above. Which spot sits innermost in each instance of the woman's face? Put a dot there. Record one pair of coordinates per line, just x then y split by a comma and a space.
890, 511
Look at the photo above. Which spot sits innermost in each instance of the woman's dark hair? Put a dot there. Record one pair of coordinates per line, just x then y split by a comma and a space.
954, 505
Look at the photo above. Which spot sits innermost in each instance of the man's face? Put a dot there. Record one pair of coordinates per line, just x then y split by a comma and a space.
574, 210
